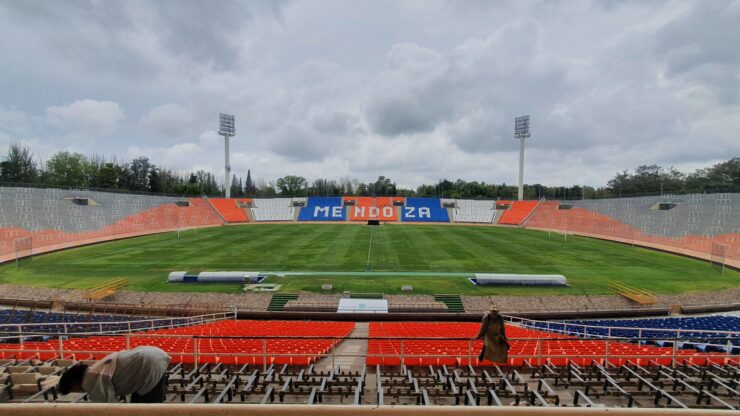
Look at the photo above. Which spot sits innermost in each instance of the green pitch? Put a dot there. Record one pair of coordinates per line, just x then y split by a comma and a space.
588, 264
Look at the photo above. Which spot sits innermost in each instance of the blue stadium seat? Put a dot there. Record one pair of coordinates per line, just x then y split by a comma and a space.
48, 322
323, 209
424, 210
651, 328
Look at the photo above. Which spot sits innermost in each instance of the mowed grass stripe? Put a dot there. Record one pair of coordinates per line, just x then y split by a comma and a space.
588, 264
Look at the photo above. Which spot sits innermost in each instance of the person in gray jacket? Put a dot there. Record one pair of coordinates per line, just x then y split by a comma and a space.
140, 372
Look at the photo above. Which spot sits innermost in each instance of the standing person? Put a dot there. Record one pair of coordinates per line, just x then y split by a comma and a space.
140, 372
493, 333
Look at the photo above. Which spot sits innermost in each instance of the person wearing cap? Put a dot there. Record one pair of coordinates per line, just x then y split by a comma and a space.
140, 372
493, 333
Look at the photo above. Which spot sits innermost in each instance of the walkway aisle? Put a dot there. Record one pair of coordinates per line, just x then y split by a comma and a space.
357, 348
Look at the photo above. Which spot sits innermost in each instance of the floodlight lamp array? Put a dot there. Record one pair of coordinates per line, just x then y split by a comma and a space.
521, 127
226, 125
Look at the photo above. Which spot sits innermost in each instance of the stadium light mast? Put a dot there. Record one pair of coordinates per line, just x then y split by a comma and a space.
226, 129
521, 132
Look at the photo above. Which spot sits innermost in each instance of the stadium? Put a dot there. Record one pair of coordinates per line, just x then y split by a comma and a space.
374, 300
190, 222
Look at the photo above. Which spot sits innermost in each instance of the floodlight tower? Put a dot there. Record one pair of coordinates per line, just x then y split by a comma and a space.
521, 132
226, 129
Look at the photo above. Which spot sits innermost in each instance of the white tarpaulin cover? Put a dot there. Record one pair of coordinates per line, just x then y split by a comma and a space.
363, 306
521, 279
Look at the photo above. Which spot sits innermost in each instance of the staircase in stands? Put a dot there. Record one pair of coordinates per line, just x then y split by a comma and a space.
453, 302
279, 300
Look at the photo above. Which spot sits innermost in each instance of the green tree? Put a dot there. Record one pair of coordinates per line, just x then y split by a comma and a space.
472, 190
155, 181
621, 183
721, 176
383, 186
67, 169
426, 190
140, 169
292, 185
107, 177
172, 183
249, 188
19, 166
236, 188
362, 190
206, 182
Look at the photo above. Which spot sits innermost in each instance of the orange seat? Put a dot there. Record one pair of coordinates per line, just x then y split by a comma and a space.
230, 210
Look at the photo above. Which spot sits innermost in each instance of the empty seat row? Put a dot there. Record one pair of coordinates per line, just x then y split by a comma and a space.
474, 211
518, 212
230, 342
230, 208
707, 224
323, 209
363, 208
18, 238
424, 210
273, 209
537, 346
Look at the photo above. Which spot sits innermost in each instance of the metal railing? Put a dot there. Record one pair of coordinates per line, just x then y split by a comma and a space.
41, 329
404, 353
597, 331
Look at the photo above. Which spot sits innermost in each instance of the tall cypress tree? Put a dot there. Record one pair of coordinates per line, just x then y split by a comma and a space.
248, 185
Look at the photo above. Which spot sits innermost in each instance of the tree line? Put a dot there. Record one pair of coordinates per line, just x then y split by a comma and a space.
75, 170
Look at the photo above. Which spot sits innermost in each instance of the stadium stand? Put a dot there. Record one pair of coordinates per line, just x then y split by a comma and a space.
273, 209
539, 389
518, 212
266, 362
230, 210
198, 214
55, 209
323, 209
226, 341
672, 215
53, 322
33, 220
365, 208
424, 210
696, 224
473, 211
692, 329
544, 347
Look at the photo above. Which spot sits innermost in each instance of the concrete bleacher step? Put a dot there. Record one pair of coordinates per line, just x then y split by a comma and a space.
279, 300
366, 296
350, 354
453, 302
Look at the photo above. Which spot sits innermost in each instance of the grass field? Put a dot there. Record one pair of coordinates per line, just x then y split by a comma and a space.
588, 264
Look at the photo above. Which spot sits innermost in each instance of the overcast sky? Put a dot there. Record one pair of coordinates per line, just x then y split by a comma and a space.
412, 90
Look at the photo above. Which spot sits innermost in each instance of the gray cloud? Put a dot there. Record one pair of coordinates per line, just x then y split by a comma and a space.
89, 117
412, 94
412, 91
205, 31
702, 47
136, 38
